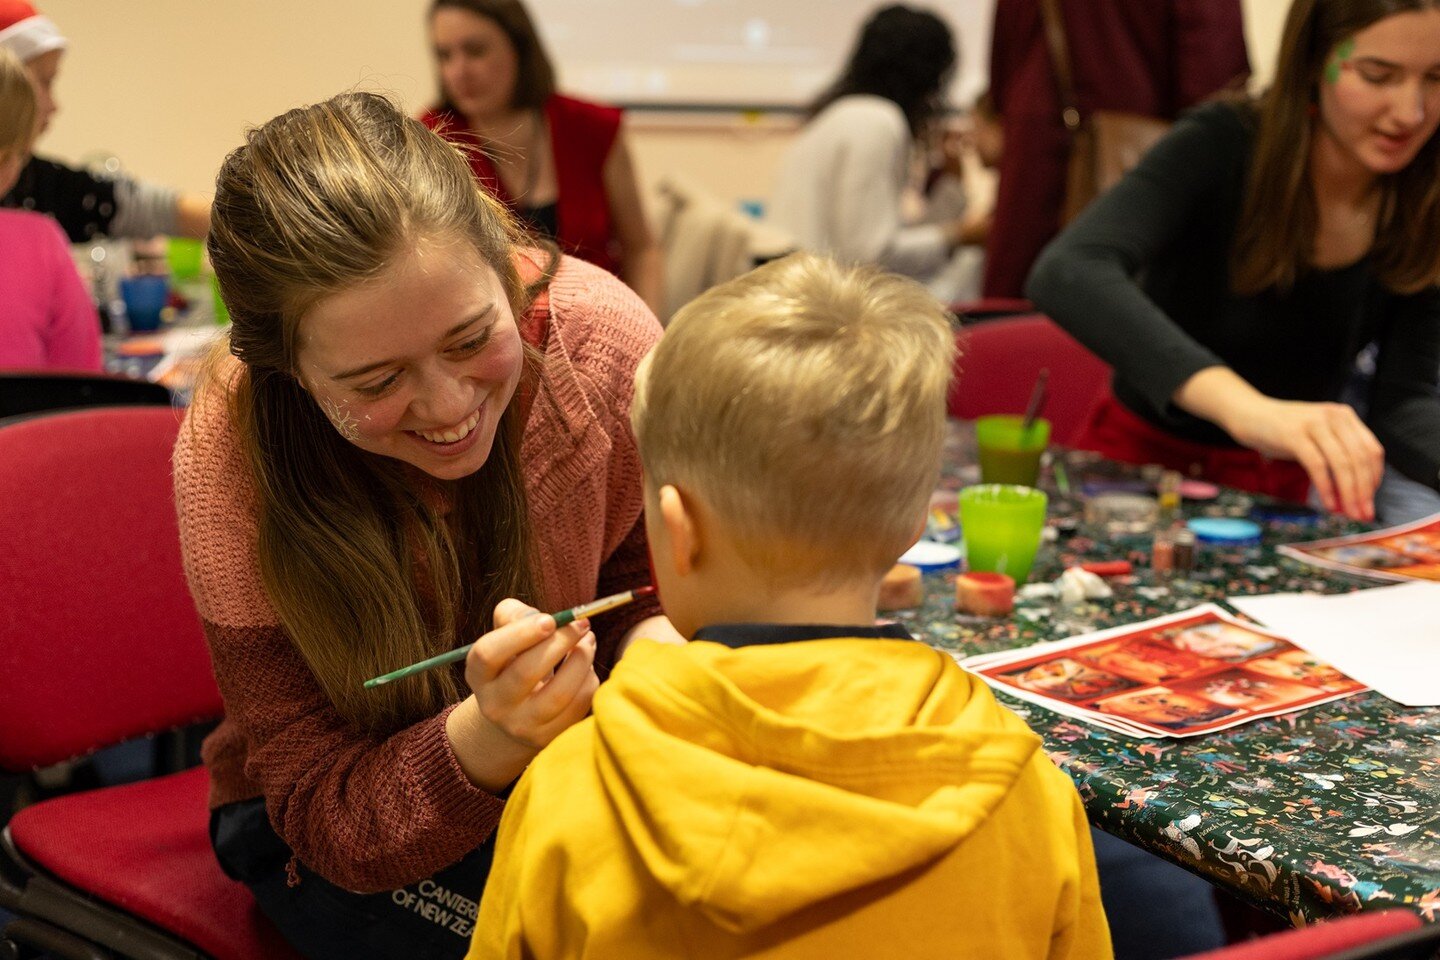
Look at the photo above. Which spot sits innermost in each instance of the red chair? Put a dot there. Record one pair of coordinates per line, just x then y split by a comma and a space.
1381, 935
100, 643
1000, 359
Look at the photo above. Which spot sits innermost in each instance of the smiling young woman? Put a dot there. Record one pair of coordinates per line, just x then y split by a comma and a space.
1233, 277
421, 422
429, 392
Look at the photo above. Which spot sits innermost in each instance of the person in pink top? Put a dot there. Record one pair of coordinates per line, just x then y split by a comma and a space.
46, 318
421, 422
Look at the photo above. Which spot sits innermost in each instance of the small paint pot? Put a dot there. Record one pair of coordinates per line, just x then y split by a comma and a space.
931, 557
902, 588
1226, 533
984, 594
1198, 490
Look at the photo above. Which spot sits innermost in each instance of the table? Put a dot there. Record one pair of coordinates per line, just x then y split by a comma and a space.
1329, 810
171, 356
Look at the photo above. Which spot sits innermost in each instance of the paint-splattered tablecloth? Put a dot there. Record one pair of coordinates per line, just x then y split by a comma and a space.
1328, 810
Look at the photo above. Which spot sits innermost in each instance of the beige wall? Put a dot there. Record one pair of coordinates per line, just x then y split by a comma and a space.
169, 85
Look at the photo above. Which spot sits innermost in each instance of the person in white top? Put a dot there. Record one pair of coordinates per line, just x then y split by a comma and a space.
841, 188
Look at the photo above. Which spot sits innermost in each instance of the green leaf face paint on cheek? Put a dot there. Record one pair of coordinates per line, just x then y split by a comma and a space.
1343, 52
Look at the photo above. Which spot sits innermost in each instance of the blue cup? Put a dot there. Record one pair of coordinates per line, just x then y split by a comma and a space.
145, 296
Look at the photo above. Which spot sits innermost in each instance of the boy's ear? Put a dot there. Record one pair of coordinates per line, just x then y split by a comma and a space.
678, 518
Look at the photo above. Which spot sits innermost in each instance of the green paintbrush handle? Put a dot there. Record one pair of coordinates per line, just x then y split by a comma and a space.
449, 656
562, 618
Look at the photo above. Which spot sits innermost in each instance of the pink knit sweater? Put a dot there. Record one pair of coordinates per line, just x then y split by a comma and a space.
46, 317
373, 813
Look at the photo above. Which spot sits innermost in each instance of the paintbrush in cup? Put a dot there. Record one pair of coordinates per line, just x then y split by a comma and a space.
1037, 401
603, 605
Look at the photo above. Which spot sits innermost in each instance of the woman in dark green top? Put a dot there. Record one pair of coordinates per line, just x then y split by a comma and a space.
1234, 275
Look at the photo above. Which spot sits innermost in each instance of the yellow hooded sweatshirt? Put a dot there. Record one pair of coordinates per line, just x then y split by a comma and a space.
827, 798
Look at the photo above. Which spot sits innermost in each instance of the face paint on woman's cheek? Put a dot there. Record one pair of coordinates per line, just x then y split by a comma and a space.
341, 419
1338, 60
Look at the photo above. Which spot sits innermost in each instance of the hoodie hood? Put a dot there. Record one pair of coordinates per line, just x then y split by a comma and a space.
755, 783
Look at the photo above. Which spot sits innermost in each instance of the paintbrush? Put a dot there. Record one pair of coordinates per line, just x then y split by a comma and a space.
1037, 401
603, 605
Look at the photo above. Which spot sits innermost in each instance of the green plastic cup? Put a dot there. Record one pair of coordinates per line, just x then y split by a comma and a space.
1008, 452
185, 257
1001, 524
222, 315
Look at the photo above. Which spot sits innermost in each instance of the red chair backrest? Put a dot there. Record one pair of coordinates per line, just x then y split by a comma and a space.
99, 639
1324, 940
1000, 359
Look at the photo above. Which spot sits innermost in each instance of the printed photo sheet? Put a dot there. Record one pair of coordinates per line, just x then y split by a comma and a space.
1409, 552
1182, 675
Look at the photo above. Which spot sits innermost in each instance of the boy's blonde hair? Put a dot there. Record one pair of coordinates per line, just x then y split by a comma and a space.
17, 106
804, 403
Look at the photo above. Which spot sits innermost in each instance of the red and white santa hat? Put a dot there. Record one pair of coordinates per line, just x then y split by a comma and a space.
25, 33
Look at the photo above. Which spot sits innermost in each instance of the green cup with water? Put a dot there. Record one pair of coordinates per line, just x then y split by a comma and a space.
1009, 451
1001, 524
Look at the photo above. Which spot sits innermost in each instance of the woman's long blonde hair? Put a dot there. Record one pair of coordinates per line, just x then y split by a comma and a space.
1279, 220
366, 570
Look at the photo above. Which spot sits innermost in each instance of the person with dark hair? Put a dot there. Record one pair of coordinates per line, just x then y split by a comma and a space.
1232, 277
842, 183
562, 165
1153, 58
83, 204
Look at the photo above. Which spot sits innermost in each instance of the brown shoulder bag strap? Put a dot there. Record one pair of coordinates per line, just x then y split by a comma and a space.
1054, 24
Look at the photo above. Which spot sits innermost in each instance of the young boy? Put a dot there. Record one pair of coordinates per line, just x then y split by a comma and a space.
797, 782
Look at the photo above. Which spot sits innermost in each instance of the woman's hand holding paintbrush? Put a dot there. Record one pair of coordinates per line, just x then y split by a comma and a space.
529, 681
530, 678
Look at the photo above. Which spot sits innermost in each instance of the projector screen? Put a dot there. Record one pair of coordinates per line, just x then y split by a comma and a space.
735, 53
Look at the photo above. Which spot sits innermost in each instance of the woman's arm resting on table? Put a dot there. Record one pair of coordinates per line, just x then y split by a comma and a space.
642, 265
1337, 450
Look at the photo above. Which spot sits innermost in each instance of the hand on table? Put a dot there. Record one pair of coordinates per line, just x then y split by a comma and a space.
1341, 455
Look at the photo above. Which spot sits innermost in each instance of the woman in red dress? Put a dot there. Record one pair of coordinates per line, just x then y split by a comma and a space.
561, 164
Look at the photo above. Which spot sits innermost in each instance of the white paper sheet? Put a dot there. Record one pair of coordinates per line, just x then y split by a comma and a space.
1387, 638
